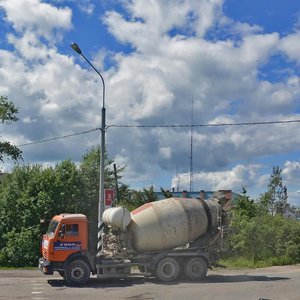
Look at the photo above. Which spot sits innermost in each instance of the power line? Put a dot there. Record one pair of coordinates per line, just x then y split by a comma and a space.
162, 126
59, 137
205, 125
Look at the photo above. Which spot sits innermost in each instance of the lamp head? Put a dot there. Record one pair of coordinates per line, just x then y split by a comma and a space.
76, 48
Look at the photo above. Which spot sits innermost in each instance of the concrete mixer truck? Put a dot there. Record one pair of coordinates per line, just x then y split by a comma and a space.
163, 239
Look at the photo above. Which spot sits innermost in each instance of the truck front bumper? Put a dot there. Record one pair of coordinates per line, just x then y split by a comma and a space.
45, 266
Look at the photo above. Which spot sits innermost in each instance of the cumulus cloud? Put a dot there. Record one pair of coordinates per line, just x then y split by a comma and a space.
172, 63
147, 26
290, 46
221, 76
291, 171
37, 79
34, 15
233, 179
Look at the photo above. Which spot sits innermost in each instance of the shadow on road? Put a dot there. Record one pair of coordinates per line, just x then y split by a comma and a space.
101, 283
112, 283
241, 278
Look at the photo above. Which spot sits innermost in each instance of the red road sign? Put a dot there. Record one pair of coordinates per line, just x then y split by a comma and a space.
108, 196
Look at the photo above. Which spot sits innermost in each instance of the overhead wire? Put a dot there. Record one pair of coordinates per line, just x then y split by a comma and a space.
161, 126
58, 137
206, 125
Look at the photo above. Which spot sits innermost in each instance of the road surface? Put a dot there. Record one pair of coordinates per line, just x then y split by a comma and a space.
275, 283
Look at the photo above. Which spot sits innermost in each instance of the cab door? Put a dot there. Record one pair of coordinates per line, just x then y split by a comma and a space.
67, 241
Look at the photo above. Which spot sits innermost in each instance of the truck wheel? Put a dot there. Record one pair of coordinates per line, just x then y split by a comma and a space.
77, 272
195, 269
167, 269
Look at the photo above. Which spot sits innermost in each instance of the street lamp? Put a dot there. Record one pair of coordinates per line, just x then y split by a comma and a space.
77, 49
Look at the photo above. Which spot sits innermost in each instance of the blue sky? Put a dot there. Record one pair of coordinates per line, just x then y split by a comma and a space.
237, 61
279, 16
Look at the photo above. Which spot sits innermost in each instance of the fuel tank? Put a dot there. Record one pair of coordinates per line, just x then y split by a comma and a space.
171, 223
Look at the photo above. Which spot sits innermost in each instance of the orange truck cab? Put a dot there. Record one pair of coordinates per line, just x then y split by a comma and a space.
65, 243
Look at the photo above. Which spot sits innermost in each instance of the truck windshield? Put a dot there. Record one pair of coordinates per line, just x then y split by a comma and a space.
52, 227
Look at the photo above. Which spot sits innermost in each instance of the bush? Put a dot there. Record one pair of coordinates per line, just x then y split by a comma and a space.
265, 238
22, 248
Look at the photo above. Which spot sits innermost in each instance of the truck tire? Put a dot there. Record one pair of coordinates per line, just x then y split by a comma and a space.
195, 269
167, 269
77, 272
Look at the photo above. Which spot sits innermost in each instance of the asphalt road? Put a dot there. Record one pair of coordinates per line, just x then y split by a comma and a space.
275, 283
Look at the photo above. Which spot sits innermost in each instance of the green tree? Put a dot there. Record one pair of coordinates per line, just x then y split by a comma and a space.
8, 114
166, 193
266, 238
138, 198
275, 199
90, 177
245, 206
27, 195
33, 193
260, 235
21, 247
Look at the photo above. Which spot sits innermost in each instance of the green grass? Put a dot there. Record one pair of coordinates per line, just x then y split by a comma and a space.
246, 263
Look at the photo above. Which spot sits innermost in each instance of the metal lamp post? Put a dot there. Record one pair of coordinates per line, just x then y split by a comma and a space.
76, 48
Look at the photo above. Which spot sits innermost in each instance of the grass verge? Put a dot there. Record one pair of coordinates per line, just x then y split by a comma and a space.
246, 263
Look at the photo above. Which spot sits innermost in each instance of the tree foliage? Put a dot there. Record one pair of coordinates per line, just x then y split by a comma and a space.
90, 177
8, 114
245, 207
138, 198
275, 199
34, 193
266, 237
166, 193
260, 235
28, 195
8, 111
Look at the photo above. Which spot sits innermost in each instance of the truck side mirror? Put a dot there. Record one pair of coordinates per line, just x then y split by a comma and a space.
62, 231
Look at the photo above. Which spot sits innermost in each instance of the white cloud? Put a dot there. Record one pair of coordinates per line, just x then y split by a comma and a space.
37, 79
233, 179
171, 64
147, 26
239, 28
34, 15
291, 171
250, 176
29, 46
220, 75
258, 48
87, 7
291, 47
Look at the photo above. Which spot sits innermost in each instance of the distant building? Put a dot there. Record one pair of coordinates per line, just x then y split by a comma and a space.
290, 213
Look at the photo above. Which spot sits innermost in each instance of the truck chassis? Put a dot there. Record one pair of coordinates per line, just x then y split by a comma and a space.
164, 265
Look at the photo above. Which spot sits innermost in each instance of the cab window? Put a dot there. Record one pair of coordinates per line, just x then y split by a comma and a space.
52, 227
72, 230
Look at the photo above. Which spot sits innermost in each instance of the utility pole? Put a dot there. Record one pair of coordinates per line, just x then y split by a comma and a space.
191, 154
101, 208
